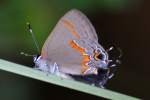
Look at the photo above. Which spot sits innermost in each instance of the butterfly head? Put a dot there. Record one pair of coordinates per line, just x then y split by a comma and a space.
36, 58
40, 63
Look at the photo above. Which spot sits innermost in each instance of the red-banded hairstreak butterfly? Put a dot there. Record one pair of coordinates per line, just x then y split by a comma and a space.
72, 51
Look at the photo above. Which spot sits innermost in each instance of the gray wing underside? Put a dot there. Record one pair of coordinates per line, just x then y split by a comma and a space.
82, 24
57, 47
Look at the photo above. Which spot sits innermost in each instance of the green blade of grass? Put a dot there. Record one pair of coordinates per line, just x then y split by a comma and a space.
32, 73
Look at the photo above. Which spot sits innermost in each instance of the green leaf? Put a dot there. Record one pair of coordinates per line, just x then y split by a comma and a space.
52, 79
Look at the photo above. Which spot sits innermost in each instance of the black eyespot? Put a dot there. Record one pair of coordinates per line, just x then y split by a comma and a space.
100, 56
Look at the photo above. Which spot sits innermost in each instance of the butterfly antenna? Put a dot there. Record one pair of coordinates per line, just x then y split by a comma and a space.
33, 37
25, 54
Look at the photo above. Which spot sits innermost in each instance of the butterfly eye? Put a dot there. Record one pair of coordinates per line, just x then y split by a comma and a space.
35, 57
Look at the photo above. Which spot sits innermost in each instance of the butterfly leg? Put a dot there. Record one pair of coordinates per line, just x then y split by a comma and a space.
91, 70
54, 69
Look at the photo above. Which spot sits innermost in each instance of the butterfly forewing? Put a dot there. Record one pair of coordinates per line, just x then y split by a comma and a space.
72, 26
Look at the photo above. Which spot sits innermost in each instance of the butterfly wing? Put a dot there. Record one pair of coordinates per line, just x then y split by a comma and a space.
60, 47
81, 24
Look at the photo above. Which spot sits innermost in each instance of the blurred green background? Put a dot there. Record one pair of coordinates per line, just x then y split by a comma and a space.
122, 22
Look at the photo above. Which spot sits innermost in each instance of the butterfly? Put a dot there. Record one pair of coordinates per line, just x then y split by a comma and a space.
72, 51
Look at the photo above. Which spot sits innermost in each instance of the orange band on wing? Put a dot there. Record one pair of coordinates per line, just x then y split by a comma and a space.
71, 28
85, 59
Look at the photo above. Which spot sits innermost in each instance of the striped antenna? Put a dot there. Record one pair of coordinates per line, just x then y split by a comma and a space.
33, 37
26, 54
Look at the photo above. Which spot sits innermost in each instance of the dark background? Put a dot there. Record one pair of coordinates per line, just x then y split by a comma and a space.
125, 23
